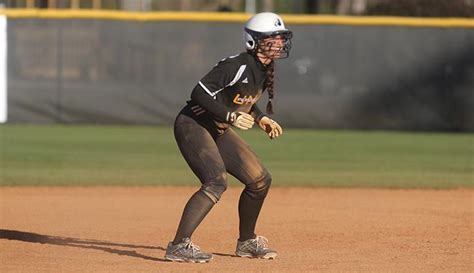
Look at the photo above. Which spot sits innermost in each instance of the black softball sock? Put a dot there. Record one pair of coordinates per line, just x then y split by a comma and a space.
249, 209
194, 212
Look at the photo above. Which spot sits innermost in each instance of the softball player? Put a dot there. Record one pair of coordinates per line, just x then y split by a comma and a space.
226, 97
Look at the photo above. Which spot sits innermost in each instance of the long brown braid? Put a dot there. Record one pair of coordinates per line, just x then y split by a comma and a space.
270, 71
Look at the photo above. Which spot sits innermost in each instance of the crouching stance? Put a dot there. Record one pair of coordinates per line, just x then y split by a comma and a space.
227, 97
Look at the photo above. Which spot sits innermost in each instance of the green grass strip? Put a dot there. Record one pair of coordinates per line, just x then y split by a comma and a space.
144, 155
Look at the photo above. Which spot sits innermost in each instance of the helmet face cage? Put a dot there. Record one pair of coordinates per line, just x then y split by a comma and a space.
260, 46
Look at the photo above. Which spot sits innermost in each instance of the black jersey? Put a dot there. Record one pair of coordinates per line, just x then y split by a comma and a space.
234, 84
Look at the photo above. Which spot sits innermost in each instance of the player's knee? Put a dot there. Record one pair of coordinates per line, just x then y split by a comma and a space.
215, 187
260, 187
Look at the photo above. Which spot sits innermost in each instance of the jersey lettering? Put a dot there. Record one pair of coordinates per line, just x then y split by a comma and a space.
245, 99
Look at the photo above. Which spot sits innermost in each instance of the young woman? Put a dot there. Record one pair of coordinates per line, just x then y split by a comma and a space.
226, 97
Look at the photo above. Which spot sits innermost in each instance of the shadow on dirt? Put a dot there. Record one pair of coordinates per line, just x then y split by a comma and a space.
79, 243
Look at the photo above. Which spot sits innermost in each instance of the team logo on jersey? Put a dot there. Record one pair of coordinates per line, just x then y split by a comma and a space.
244, 99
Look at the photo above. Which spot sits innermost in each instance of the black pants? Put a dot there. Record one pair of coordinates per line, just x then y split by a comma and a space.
211, 155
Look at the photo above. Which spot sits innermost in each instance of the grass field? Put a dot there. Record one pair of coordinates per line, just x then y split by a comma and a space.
142, 155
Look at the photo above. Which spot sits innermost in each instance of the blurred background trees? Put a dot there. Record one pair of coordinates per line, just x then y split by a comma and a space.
419, 8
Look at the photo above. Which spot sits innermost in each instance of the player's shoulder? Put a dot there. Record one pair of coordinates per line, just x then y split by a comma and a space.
243, 58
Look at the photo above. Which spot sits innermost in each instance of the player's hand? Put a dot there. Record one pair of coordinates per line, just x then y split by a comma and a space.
271, 127
241, 120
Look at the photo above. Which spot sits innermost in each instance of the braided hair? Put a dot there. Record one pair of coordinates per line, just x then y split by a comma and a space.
268, 85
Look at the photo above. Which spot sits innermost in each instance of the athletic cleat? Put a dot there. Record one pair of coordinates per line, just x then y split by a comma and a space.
255, 248
186, 251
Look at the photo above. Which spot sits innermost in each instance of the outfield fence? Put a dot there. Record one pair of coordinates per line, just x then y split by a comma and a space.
139, 68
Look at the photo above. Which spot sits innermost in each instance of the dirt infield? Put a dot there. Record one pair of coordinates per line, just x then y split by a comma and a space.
115, 229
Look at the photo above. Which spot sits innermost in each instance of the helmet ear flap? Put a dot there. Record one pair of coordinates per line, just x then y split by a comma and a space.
249, 41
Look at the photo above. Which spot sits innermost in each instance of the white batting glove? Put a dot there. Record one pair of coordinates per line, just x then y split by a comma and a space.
271, 127
241, 120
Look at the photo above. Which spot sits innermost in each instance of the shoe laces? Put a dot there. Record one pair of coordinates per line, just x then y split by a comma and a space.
262, 242
194, 248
